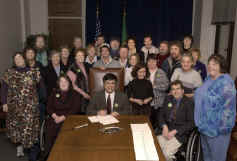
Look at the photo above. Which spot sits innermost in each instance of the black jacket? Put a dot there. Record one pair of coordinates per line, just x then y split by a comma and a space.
169, 65
184, 122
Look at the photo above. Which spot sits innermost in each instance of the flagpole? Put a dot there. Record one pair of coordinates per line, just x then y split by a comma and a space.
124, 24
98, 4
97, 11
124, 10
124, 7
98, 29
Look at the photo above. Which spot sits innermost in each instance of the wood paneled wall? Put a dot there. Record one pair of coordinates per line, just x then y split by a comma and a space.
65, 21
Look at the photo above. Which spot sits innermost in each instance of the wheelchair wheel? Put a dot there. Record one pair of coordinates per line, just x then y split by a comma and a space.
42, 135
193, 152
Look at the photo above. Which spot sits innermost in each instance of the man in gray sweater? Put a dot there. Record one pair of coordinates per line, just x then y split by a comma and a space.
106, 60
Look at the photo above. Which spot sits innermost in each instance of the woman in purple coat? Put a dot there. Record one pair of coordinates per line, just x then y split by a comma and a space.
62, 102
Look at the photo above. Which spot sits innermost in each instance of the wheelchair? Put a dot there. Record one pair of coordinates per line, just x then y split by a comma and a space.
42, 134
191, 151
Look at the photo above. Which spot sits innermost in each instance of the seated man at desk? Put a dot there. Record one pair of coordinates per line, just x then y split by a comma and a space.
109, 100
176, 120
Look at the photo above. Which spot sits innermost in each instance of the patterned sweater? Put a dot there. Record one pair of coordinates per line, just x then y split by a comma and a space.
215, 106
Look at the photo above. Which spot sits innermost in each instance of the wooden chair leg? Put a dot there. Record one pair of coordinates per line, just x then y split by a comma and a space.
2, 125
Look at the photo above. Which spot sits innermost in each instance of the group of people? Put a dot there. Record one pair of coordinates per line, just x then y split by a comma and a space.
169, 84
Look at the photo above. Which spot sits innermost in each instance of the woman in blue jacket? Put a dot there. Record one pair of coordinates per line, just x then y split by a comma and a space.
215, 110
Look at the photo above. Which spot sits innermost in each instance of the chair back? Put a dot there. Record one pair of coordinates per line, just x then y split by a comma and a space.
96, 78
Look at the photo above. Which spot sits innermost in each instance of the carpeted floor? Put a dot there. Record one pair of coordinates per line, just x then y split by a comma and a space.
8, 150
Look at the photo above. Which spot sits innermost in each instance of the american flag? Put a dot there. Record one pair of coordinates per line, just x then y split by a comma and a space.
98, 29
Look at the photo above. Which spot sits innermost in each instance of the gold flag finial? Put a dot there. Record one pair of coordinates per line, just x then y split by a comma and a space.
124, 11
97, 11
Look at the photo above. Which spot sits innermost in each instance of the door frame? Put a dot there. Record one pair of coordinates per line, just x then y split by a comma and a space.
230, 41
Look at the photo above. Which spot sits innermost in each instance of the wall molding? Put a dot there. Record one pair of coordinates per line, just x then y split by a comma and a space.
63, 17
208, 31
233, 67
23, 21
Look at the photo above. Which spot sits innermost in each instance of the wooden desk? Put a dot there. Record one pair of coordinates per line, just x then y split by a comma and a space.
89, 144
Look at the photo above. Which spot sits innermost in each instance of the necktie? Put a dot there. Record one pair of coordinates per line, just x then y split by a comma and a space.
108, 104
147, 55
173, 112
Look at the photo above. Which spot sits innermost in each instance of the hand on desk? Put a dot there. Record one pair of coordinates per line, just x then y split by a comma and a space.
104, 112
115, 114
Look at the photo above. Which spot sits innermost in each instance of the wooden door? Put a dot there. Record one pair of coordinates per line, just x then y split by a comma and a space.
66, 20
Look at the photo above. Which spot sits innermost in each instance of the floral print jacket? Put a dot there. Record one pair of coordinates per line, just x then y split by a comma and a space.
215, 106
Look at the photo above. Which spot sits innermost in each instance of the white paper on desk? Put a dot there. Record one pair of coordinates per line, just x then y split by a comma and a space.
108, 119
144, 146
105, 120
93, 119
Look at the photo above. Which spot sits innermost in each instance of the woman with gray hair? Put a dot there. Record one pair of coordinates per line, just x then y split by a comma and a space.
53, 70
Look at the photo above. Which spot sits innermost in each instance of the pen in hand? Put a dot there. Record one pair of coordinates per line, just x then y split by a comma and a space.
79, 126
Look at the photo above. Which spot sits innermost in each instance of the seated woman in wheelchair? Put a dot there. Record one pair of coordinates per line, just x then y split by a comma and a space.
62, 102
176, 120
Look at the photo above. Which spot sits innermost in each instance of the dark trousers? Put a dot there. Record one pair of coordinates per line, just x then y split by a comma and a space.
84, 105
154, 117
42, 109
33, 152
52, 130
141, 110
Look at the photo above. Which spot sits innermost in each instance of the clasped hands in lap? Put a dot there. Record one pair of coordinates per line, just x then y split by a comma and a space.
58, 119
141, 101
168, 134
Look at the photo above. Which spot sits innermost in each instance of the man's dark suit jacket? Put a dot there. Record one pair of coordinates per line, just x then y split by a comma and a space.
98, 102
184, 122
